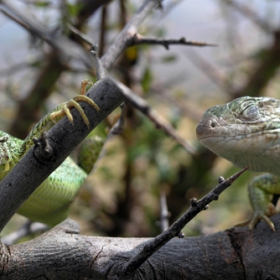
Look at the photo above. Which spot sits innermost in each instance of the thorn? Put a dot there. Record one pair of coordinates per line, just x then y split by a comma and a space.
236, 175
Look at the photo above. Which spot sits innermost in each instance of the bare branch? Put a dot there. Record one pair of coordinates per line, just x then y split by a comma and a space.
99, 69
34, 28
26, 229
236, 253
81, 35
196, 207
137, 39
164, 214
129, 30
209, 70
150, 113
250, 14
63, 138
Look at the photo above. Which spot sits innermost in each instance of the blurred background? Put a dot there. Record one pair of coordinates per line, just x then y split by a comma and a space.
122, 196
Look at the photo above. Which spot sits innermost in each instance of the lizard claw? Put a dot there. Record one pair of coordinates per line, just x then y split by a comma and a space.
260, 215
64, 108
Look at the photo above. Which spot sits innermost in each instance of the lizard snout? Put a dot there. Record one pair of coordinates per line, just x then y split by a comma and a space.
206, 127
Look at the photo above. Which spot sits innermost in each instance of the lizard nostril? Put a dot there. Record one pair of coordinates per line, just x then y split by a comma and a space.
213, 124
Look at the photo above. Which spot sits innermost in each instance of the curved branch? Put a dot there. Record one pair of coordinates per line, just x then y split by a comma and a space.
62, 253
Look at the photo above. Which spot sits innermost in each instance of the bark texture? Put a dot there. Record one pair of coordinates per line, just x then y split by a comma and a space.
62, 253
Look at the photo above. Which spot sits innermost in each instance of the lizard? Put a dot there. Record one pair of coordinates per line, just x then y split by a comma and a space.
246, 131
50, 202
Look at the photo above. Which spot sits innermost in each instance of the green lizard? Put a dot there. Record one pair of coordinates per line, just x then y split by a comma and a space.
49, 203
246, 131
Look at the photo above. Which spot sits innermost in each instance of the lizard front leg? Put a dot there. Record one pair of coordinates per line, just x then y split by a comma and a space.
59, 112
261, 190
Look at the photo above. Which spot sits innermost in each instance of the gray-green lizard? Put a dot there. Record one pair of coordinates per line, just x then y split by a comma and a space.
246, 131
49, 203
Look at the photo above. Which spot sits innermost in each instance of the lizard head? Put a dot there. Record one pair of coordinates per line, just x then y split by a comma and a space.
246, 131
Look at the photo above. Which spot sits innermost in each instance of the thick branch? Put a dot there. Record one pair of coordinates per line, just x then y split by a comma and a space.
31, 171
236, 253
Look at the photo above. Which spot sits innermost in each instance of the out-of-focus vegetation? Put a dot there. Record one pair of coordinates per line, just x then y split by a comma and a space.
121, 197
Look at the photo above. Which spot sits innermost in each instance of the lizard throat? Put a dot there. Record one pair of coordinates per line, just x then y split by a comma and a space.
259, 150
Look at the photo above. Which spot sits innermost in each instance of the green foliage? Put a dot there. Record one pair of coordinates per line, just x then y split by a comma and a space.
151, 144
73, 9
146, 80
42, 3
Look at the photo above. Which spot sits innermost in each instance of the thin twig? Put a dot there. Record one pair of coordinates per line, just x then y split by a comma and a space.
251, 15
81, 35
164, 214
119, 45
196, 207
33, 27
209, 70
137, 39
65, 48
189, 109
99, 69
150, 113
102, 31
26, 229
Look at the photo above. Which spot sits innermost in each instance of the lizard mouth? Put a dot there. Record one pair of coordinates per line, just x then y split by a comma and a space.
220, 137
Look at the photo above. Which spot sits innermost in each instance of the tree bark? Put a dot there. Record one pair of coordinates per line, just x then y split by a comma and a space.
63, 137
62, 253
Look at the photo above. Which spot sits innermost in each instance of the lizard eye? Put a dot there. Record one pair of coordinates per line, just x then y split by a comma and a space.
251, 112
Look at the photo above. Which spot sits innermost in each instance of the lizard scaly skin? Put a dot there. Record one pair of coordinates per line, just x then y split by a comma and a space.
49, 203
246, 131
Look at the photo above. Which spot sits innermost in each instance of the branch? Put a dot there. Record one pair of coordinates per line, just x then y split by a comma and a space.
63, 46
268, 64
251, 14
45, 81
196, 207
35, 29
63, 138
164, 214
129, 30
209, 70
235, 254
150, 113
137, 39
57, 60
26, 229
